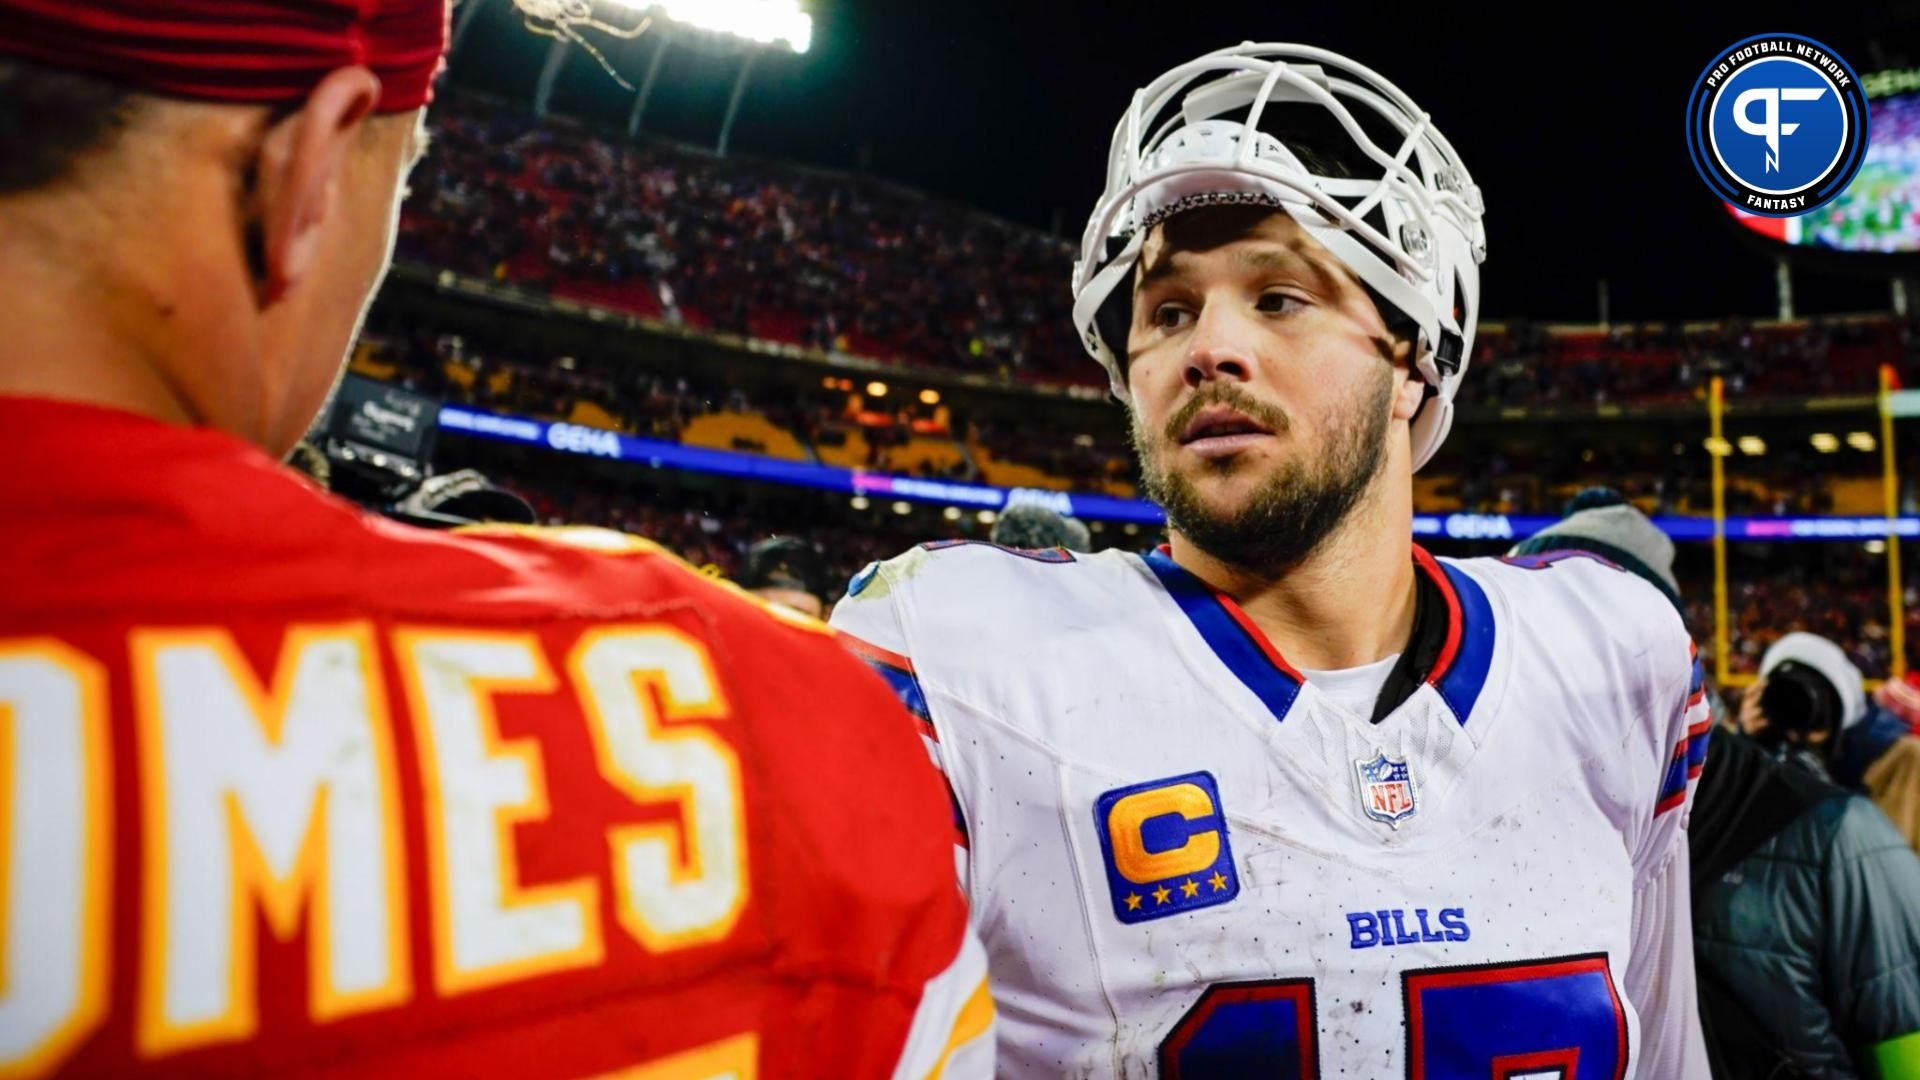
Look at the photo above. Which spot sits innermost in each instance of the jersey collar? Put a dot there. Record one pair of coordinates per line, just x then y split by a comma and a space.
1459, 671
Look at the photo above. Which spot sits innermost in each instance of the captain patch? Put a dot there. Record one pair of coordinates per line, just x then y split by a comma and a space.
1164, 843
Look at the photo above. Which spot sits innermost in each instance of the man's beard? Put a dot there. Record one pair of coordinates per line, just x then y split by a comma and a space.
1296, 506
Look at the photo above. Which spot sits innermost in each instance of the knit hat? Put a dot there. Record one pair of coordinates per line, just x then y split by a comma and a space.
1029, 525
1601, 521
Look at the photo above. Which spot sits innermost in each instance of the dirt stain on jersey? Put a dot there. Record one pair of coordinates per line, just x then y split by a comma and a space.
891, 572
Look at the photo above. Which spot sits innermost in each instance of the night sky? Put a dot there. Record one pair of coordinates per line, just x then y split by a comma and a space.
1571, 123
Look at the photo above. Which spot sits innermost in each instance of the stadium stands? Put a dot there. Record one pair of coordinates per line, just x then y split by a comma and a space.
1038, 448
851, 264
749, 252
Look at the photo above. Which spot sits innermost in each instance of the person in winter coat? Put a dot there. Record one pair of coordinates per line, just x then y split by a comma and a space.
1811, 705
1806, 923
1806, 899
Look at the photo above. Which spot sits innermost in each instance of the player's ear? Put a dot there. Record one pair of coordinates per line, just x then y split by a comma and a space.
1408, 393
296, 178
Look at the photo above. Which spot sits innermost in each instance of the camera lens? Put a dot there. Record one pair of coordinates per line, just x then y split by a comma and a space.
1799, 699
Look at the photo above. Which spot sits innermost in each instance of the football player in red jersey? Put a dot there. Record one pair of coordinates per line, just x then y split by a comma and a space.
287, 788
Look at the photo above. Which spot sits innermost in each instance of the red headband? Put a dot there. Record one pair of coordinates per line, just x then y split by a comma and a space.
257, 51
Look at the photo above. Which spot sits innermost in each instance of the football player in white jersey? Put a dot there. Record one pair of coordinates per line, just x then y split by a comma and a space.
1290, 797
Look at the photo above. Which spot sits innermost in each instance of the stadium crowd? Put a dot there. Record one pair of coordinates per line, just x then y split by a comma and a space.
644, 402
1535, 477
451, 367
850, 263
1672, 363
754, 248
1806, 597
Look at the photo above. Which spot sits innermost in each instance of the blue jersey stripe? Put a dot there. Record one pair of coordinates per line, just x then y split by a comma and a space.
1226, 637
905, 687
1697, 750
1461, 683
1673, 787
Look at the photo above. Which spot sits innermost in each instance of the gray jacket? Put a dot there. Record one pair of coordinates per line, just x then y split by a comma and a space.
1817, 934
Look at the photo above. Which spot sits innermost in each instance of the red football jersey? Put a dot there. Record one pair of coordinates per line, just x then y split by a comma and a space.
288, 788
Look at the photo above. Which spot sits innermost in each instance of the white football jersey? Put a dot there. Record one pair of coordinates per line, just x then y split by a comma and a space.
1187, 861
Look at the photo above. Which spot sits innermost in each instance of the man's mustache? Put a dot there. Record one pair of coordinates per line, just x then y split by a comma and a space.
1268, 416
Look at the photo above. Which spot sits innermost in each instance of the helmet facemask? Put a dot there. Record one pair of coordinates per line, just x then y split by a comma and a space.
1370, 180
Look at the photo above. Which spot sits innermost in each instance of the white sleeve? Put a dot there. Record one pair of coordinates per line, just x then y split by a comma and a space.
952, 1036
1660, 980
868, 623
1660, 967
1679, 724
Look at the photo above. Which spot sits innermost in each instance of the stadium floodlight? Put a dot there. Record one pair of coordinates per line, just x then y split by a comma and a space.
1717, 446
1826, 442
876, 389
763, 22
1861, 441
1752, 445
757, 22
903, 508
859, 502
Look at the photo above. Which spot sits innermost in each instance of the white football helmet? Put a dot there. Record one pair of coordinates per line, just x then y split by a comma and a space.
1410, 231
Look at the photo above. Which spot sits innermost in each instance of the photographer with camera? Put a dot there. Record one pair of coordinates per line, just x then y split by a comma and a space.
1810, 705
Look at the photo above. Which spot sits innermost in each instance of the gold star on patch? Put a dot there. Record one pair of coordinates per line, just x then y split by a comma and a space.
1133, 901
1190, 888
1160, 894
1218, 881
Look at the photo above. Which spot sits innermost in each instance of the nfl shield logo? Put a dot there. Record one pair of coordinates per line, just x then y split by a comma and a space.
1386, 788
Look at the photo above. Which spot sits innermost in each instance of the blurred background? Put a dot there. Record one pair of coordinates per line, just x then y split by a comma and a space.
801, 269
